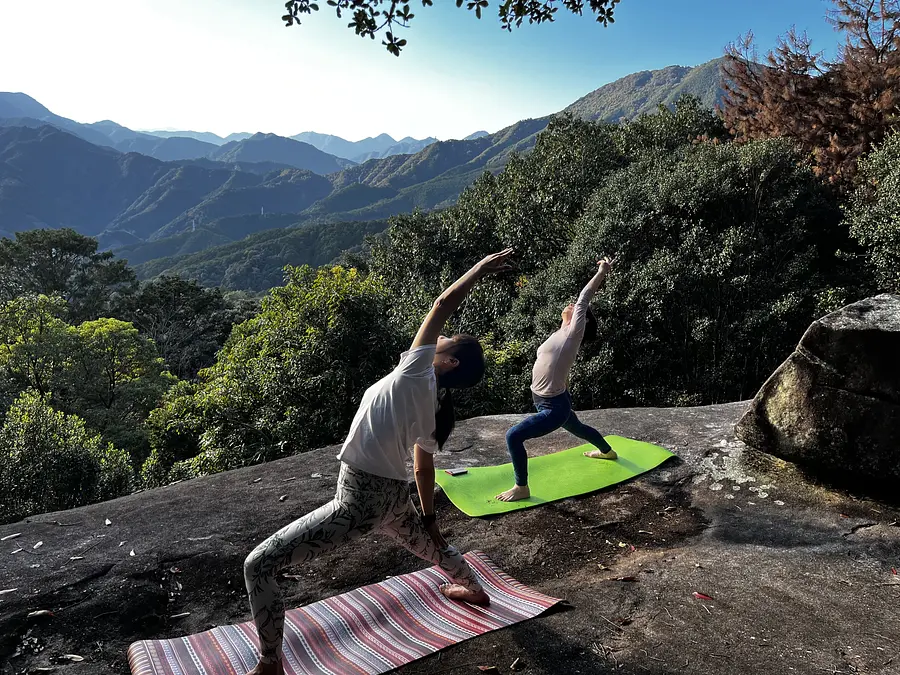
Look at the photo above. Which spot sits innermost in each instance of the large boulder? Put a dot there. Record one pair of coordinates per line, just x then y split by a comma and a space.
834, 405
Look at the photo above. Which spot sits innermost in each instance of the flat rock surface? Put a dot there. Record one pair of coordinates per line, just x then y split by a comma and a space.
800, 575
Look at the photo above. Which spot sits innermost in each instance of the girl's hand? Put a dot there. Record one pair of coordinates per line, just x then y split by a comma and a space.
605, 265
495, 263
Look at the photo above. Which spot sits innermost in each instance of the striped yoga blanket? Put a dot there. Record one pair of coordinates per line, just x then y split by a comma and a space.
373, 629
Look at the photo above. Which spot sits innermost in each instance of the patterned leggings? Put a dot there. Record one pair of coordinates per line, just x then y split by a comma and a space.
363, 503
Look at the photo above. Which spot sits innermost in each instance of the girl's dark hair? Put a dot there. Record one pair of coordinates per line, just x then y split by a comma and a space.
467, 373
590, 327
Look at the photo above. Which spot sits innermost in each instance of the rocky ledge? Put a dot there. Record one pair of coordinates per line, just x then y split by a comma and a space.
799, 574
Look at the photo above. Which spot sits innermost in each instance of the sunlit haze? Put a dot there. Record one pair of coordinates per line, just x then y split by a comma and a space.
231, 66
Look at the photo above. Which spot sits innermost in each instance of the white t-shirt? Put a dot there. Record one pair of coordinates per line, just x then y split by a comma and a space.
395, 413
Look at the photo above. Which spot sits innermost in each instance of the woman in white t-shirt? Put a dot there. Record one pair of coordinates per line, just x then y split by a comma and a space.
398, 411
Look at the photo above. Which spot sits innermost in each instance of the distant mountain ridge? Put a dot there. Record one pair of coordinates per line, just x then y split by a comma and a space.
366, 149
205, 136
166, 210
17, 109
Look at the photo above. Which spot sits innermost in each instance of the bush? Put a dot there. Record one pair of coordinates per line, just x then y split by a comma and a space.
874, 212
50, 462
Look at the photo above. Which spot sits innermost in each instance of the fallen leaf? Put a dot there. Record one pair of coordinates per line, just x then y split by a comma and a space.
315, 475
644, 532
38, 545
844, 516
121, 544
108, 522
602, 566
256, 480
77, 557
11, 536
488, 669
8, 590
174, 570
622, 544
72, 657
180, 616
701, 596
631, 548
282, 498
893, 571
35, 566
38, 613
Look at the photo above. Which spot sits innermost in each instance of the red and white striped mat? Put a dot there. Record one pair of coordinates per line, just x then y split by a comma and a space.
370, 630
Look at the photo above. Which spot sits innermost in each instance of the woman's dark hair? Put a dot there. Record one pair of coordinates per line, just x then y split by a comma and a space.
444, 417
470, 368
590, 327
468, 372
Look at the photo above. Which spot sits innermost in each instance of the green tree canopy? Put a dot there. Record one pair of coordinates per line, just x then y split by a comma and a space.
369, 17
49, 461
104, 371
113, 380
188, 323
65, 263
288, 380
874, 212
722, 264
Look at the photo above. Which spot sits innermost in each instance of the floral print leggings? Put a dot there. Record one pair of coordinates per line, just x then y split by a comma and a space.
362, 504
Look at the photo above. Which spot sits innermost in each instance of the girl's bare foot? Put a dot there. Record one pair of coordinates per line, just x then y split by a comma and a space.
596, 454
267, 669
463, 594
514, 494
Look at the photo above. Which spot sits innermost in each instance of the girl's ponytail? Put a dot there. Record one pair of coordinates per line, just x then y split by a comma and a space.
444, 417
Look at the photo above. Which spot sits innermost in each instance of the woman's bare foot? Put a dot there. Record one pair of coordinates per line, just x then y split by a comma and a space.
514, 494
267, 669
463, 594
596, 454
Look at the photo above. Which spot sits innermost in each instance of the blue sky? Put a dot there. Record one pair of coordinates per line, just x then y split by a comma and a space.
230, 65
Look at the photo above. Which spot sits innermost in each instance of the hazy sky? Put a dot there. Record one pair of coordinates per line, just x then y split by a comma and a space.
231, 65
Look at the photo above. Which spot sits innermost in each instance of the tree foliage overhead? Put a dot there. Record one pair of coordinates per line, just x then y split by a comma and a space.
836, 110
369, 17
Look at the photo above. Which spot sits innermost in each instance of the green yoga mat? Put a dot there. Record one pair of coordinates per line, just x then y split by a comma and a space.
551, 477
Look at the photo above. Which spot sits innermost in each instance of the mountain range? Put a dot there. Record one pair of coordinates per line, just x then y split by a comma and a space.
152, 198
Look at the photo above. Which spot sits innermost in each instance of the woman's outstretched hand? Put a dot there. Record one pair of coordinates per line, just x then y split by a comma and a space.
495, 263
605, 265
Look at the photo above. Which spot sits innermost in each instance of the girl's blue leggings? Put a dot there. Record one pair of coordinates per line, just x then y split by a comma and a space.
552, 413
